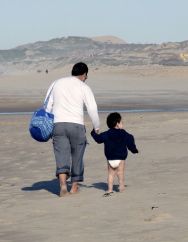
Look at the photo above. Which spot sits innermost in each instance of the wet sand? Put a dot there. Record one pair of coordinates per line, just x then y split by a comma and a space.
154, 87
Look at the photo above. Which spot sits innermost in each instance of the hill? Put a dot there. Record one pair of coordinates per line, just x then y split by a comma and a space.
59, 52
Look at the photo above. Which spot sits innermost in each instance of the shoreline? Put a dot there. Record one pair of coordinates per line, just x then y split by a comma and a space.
20, 106
173, 110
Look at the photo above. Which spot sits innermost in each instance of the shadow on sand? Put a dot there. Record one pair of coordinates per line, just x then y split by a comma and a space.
50, 186
53, 186
101, 186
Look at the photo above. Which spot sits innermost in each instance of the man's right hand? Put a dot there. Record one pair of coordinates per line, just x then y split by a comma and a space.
97, 131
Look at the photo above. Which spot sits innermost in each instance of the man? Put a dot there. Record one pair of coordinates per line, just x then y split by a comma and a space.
66, 102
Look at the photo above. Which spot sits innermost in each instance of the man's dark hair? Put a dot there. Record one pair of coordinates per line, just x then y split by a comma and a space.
79, 69
113, 119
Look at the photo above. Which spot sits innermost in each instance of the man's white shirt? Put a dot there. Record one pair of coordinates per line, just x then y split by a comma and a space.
67, 100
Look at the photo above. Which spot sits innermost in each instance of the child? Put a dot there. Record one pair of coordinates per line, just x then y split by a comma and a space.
116, 141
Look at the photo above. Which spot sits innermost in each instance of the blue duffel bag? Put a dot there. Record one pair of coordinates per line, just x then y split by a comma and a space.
42, 122
41, 125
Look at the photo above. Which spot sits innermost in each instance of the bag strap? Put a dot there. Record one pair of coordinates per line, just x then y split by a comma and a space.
48, 97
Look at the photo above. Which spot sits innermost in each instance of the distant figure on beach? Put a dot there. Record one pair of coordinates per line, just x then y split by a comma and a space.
67, 99
117, 142
46, 71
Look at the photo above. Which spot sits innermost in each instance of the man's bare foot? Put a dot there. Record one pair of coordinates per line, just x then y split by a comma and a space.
63, 191
75, 188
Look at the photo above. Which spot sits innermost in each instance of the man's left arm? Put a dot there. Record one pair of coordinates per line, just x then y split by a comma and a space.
91, 106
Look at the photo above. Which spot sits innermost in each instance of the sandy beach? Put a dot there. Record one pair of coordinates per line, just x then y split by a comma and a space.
154, 205
142, 87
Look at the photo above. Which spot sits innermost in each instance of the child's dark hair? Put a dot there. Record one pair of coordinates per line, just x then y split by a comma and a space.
113, 119
79, 69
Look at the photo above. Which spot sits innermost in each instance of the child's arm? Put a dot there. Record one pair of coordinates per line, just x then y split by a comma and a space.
131, 144
99, 138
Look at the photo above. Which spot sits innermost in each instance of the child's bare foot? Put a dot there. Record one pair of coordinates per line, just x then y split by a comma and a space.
122, 188
63, 191
109, 191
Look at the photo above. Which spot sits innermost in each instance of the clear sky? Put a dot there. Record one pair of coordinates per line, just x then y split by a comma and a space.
135, 21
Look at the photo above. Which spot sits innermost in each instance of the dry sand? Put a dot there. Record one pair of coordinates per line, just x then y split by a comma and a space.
153, 207
156, 178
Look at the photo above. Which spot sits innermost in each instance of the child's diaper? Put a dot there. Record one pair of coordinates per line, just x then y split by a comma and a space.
114, 163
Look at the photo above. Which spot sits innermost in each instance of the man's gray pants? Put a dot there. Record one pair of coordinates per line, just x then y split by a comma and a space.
69, 142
